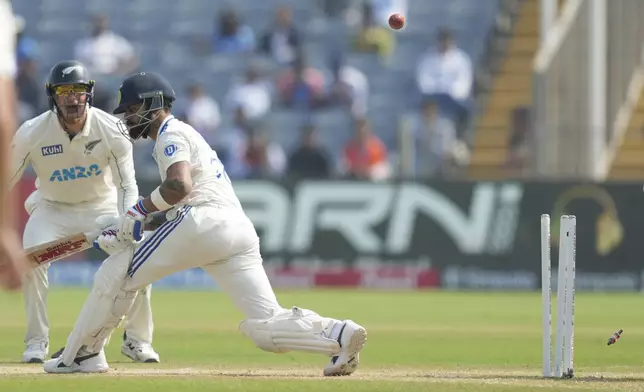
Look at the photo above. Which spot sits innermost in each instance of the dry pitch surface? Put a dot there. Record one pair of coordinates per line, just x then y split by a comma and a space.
417, 342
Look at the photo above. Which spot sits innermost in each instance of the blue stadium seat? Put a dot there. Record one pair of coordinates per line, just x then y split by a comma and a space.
163, 33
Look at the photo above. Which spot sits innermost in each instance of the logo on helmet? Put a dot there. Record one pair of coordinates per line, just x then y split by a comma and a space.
71, 69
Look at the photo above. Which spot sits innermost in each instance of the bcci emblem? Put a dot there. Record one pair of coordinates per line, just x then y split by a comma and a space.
118, 95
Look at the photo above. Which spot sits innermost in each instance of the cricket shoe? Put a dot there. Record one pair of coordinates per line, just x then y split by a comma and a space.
58, 353
138, 351
83, 363
352, 338
35, 352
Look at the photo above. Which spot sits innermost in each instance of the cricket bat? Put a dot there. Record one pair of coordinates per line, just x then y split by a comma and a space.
60, 248
64, 247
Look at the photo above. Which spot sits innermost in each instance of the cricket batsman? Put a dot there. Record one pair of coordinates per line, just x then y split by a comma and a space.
85, 170
206, 227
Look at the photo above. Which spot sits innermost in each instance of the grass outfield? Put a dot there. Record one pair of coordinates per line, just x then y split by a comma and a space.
417, 342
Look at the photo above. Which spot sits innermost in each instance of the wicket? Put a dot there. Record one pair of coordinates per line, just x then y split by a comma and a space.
564, 338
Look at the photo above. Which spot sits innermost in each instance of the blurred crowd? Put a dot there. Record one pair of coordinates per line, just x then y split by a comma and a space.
235, 124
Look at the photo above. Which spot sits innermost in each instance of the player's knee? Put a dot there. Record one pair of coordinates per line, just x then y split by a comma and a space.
123, 303
111, 276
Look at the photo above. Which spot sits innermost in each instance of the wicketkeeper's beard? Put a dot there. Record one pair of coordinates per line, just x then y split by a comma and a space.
73, 113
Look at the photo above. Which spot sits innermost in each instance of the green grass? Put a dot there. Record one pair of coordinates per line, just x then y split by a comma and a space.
417, 342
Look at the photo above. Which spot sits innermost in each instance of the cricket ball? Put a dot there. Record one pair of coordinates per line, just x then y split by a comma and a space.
396, 21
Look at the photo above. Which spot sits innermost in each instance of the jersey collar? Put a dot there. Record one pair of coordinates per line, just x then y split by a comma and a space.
164, 124
85, 131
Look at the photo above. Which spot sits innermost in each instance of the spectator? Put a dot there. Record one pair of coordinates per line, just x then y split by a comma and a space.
309, 160
301, 87
435, 140
202, 112
382, 9
27, 48
231, 145
350, 87
231, 36
282, 41
264, 158
104, 52
252, 95
446, 73
29, 87
372, 37
334, 8
366, 156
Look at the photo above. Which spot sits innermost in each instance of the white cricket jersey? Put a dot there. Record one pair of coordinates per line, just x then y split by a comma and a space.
178, 142
7, 40
95, 166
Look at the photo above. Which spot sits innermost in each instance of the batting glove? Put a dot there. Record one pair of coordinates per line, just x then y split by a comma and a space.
131, 224
109, 243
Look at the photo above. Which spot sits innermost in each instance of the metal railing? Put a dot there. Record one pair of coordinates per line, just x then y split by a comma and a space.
581, 82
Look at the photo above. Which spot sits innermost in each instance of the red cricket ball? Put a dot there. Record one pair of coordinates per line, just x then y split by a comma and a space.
396, 21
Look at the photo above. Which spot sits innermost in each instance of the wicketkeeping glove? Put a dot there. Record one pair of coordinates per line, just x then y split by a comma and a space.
105, 222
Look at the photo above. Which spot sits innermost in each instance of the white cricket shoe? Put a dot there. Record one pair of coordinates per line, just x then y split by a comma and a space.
35, 352
84, 363
138, 351
352, 338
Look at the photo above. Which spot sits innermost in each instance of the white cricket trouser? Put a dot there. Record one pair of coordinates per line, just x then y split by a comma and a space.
221, 242
47, 222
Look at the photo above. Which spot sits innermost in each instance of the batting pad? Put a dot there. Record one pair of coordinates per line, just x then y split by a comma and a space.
104, 309
292, 330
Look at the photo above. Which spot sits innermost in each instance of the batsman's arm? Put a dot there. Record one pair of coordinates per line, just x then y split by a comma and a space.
175, 160
177, 185
155, 220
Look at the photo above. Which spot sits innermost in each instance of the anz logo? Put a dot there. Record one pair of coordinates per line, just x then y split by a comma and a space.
75, 173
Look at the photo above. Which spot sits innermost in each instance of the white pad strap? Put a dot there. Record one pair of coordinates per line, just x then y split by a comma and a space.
104, 309
292, 330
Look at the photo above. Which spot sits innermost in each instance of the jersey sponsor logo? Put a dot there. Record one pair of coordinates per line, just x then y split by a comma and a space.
52, 150
170, 150
75, 173
89, 147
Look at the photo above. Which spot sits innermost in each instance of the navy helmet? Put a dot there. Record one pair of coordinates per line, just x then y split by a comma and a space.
149, 90
69, 81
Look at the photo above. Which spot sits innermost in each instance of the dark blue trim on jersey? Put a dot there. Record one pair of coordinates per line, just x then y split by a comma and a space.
165, 126
151, 244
